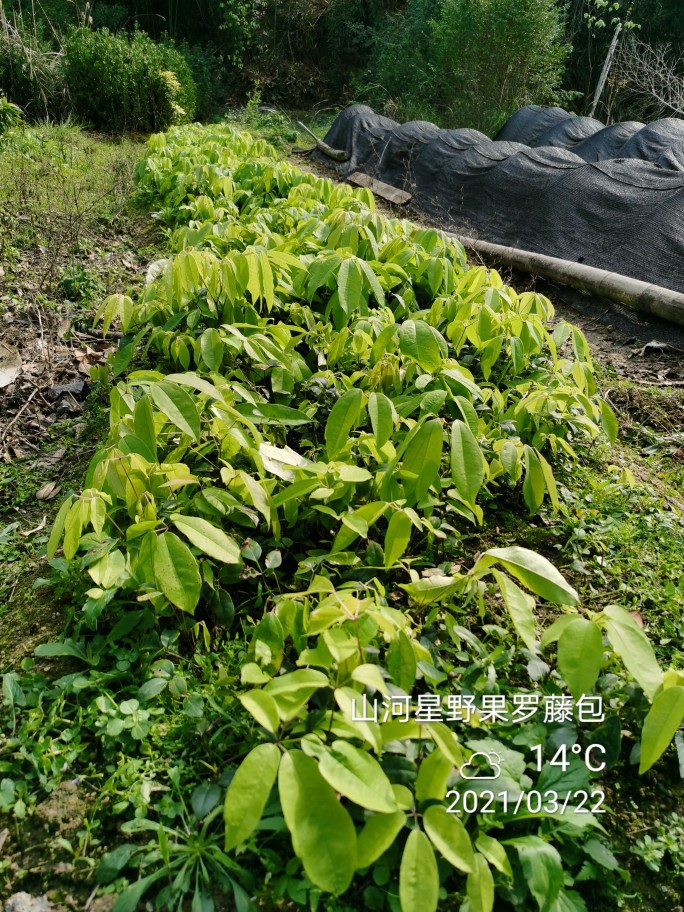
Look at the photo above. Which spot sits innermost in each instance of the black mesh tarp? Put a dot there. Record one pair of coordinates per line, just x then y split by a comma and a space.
611, 197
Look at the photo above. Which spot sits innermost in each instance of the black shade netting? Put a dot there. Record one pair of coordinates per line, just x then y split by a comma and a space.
610, 197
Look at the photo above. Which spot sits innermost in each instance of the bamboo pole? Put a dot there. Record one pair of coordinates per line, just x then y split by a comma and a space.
633, 293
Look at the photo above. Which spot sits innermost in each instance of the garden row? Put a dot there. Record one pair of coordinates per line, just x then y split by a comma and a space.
339, 399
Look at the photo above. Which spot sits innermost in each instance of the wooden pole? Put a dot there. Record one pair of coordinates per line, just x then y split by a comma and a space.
338, 155
633, 293
606, 69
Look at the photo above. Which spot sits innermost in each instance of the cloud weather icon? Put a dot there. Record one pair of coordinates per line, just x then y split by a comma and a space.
492, 760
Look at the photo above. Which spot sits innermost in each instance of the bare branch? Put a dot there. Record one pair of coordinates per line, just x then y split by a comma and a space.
652, 76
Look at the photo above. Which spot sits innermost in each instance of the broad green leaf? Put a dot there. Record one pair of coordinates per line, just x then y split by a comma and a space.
178, 406
208, 538
115, 861
533, 571
568, 901
176, 571
350, 285
350, 704
193, 381
449, 837
341, 420
480, 886
211, 347
510, 460
266, 279
357, 523
382, 417
358, 776
447, 741
495, 853
123, 357
580, 656
370, 675
534, 483
67, 648
58, 527
129, 900
631, 643
432, 589
549, 481
489, 355
660, 726
372, 279
351, 473
601, 854
143, 423
421, 342
609, 421
323, 834
248, 793
262, 707
542, 867
401, 661
520, 606
269, 413
151, 689
254, 280
467, 470
205, 798
377, 835
106, 572
397, 537
552, 633
320, 271
282, 461
423, 457
433, 775
418, 875
116, 305
292, 691
294, 681
73, 528
466, 408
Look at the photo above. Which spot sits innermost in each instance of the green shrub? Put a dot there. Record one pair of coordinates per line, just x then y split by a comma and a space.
208, 71
493, 56
116, 83
469, 62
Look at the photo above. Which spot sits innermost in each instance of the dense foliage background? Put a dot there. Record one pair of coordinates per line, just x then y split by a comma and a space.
456, 62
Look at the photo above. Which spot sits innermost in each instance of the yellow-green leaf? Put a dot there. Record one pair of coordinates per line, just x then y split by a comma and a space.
178, 406
449, 837
355, 774
323, 834
248, 793
377, 835
661, 725
467, 469
176, 571
480, 886
342, 418
208, 538
418, 875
